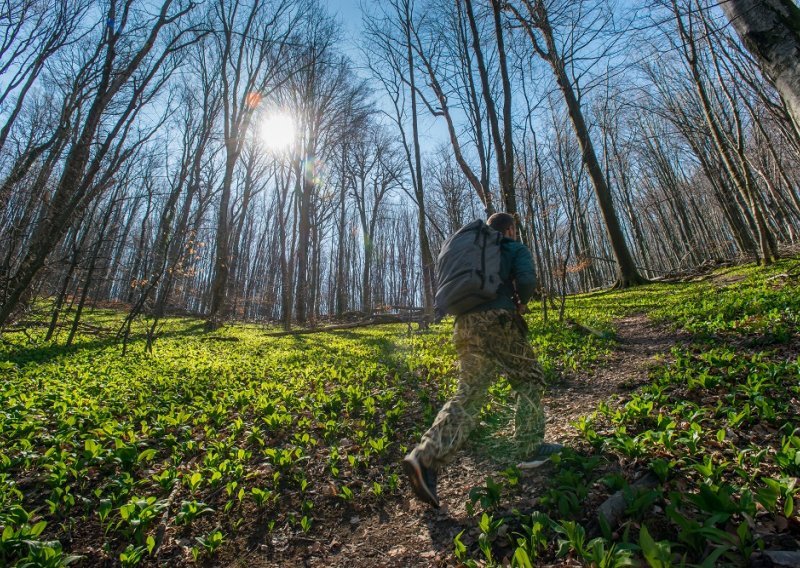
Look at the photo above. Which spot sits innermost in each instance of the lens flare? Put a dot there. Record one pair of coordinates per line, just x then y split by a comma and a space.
278, 131
253, 99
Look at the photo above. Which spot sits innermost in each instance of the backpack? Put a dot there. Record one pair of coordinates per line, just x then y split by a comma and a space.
468, 269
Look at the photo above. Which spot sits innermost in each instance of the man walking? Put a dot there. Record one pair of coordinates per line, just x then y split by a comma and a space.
491, 340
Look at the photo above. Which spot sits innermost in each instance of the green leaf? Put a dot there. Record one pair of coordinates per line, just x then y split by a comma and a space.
710, 561
768, 496
71, 559
521, 559
146, 455
460, 547
657, 554
195, 479
37, 529
151, 543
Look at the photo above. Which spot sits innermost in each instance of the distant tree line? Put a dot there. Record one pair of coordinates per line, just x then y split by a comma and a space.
133, 172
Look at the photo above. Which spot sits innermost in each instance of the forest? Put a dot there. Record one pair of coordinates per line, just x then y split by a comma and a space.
219, 224
228, 160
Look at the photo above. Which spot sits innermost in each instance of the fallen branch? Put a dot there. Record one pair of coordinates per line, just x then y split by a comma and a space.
584, 329
161, 530
24, 326
777, 558
375, 320
407, 308
777, 276
613, 509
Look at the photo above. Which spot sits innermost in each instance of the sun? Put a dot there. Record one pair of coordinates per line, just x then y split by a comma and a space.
278, 131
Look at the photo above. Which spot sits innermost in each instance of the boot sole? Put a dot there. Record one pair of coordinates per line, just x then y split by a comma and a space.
532, 464
552, 450
418, 485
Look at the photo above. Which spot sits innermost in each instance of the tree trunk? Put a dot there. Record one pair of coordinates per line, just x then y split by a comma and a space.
503, 155
305, 187
77, 246
626, 273
426, 258
219, 284
340, 301
87, 284
770, 29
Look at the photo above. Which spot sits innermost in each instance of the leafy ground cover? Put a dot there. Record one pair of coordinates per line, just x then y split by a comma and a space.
715, 428
239, 448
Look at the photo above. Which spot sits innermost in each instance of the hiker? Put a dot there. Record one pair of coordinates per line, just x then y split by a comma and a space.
490, 339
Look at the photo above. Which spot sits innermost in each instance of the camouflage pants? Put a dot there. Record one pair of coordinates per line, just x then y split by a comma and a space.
489, 344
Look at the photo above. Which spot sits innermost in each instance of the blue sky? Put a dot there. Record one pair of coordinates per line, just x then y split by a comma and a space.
349, 13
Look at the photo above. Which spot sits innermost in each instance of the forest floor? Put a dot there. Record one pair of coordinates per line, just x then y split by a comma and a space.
677, 404
407, 533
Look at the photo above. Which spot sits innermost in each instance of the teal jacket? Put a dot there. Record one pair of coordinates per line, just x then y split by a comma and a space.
516, 266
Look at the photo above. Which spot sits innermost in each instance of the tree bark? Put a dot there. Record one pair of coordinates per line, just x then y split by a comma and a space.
770, 29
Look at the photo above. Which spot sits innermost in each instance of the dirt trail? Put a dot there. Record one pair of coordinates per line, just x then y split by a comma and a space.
642, 344
406, 533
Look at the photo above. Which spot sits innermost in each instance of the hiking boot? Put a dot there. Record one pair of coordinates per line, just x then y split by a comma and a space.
541, 456
422, 479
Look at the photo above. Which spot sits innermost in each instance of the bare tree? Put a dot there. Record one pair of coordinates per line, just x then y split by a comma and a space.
452, 200
537, 25
200, 106
390, 56
680, 106
503, 141
328, 100
732, 155
447, 68
253, 41
375, 170
32, 33
116, 60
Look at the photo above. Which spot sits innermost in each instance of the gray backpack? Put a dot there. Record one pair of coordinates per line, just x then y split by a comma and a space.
468, 269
